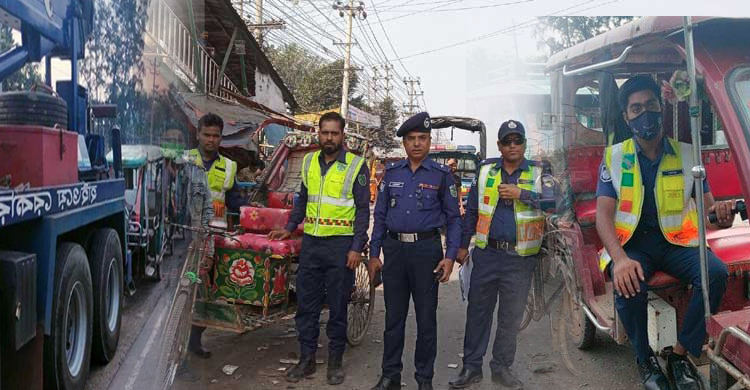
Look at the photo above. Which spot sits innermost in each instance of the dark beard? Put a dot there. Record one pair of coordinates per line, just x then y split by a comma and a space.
329, 150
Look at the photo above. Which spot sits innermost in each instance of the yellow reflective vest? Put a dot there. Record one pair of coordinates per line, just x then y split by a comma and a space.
221, 178
529, 220
330, 207
675, 205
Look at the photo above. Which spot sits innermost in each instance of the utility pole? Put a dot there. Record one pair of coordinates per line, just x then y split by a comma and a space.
387, 68
259, 25
259, 21
350, 11
413, 94
374, 86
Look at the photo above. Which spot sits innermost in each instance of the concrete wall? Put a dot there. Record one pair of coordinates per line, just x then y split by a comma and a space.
268, 93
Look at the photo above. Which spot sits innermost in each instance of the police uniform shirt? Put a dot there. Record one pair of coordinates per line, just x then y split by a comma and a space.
503, 225
649, 221
415, 202
360, 190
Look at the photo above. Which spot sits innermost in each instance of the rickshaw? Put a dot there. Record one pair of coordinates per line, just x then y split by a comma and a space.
240, 281
146, 200
715, 119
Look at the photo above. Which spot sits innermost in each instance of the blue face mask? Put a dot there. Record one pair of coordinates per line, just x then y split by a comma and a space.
647, 125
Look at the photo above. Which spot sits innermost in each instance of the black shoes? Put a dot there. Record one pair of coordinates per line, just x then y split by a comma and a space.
424, 386
335, 373
465, 379
652, 376
505, 377
304, 368
388, 384
682, 373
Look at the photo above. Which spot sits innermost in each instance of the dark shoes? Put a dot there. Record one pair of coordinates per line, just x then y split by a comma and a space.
304, 368
388, 384
335, 373
652, 376
199, 351
683, 373
465, 379
505, 377
424, 386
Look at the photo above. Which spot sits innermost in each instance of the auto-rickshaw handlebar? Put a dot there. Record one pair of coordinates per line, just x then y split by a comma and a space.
739, 207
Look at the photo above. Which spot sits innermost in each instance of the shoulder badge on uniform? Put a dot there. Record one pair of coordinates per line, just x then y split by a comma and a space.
362, 180
454, 193
382, 186
604, 175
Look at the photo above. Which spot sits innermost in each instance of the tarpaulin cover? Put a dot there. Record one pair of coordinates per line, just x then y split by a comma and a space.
259, 243
133, 156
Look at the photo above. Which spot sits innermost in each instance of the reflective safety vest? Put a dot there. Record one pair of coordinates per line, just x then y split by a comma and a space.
220, 178
330, 199
529, 221
675, 205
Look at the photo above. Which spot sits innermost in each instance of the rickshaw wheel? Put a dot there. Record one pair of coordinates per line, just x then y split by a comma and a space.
361, 306
580, 328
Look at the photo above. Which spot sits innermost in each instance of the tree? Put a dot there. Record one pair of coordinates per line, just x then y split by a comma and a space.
556, 33
314, 82
383, 138
113, 68
24, 78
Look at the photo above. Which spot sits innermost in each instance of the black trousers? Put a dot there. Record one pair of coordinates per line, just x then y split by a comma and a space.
497, 276
322, 276
407, 273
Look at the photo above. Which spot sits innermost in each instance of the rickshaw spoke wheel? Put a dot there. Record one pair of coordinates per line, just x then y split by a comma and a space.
360, 306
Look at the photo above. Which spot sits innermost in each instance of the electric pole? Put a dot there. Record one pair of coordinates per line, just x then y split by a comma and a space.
387, 68
259, 21
374, 86
259, 26
413, 94
350, 11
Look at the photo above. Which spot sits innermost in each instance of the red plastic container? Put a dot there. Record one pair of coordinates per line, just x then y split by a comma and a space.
40, 156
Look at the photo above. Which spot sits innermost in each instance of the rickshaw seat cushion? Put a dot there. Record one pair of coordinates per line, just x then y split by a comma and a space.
731, 246
662, 279
734, 351
260, 243
281, 200
585, 212
263, 219
583, 165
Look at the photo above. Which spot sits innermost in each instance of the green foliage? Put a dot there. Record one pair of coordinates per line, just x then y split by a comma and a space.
314, 81
114, 70
556, 33
24, 78
389, 117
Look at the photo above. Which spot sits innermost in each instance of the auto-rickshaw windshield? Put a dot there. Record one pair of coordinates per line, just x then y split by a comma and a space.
739, 85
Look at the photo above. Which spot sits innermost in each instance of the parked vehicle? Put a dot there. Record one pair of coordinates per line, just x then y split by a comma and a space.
656, 46
62, 221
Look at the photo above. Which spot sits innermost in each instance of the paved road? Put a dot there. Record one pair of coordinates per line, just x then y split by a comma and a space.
142, 323
540, 361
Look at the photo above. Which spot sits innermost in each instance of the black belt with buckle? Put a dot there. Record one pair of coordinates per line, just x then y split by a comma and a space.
502, 244
413, 237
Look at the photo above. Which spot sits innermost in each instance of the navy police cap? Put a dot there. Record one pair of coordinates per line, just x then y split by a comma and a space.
419, 123
510, 127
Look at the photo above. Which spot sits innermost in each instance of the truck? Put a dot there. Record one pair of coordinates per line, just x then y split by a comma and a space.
63, 258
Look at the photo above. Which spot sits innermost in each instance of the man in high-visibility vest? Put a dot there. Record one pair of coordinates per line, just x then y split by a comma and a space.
220, 173
334, 203
646, 218
503, 210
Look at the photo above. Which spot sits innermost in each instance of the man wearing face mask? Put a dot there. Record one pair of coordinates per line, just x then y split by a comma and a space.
334, 202
647, 220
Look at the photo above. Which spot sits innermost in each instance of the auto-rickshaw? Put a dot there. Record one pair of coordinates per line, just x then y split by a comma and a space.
146, 197
715, 119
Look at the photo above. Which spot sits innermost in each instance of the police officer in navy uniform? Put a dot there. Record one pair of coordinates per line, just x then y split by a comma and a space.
503, 210
416, 197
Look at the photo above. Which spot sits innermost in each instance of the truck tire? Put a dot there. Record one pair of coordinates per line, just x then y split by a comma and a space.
33, 109
105, 259
67, 350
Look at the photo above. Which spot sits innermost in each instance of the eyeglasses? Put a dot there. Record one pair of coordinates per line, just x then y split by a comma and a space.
508, 141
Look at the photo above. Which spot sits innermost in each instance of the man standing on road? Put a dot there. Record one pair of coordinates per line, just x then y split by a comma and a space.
220, 175
417, 197
452, 163
647, 220
503, 210
334, 202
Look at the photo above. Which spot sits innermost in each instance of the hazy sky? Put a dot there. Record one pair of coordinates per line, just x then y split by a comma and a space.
443, 72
